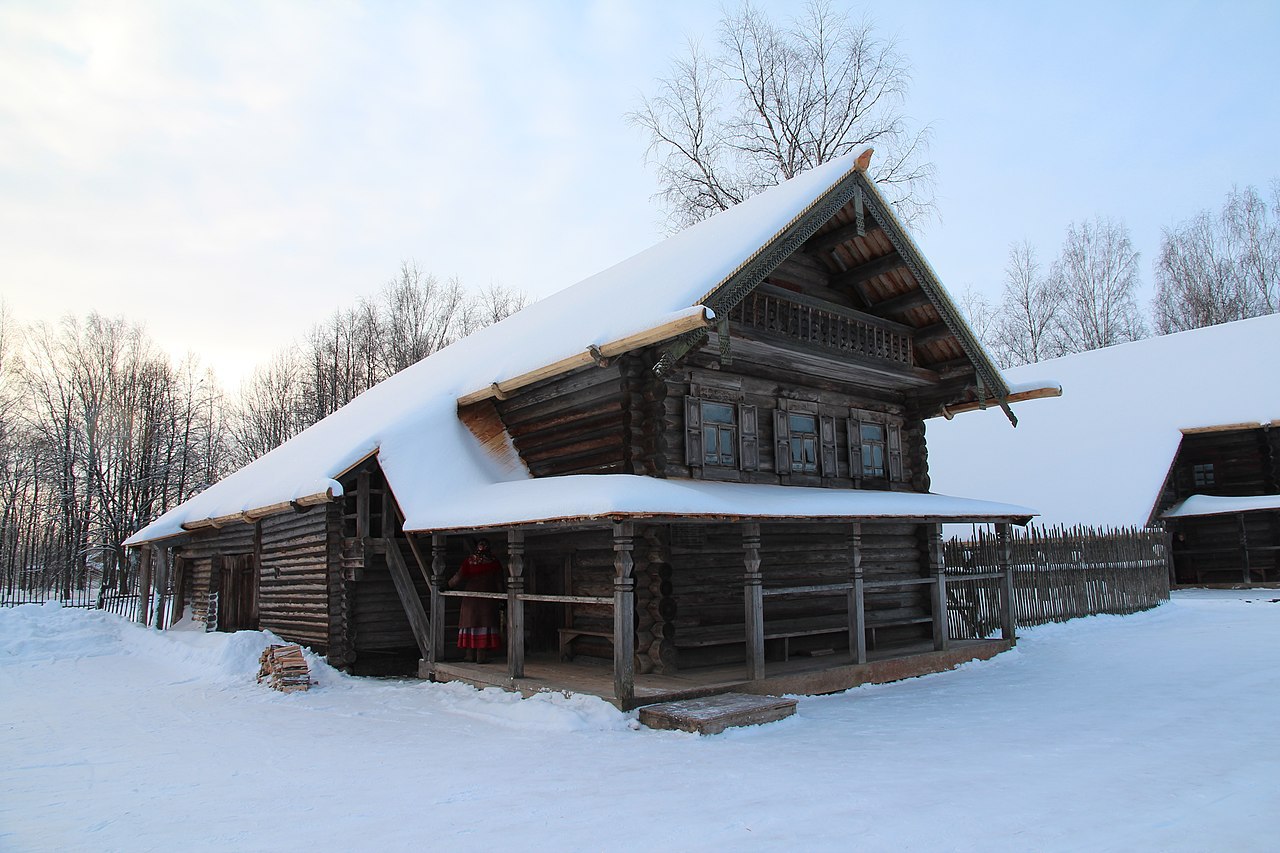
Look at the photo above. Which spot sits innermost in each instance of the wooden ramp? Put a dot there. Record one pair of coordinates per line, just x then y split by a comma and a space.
711, 715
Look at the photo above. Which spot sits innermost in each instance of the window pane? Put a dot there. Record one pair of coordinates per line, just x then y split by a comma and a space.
717, 413
710, 448
727, 456
872, 432
803, 423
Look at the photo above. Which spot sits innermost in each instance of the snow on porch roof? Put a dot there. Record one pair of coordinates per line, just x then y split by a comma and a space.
1198, 505
597, 496
410, 421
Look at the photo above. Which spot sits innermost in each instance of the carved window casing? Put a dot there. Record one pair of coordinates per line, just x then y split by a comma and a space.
720, 432
805, 441
875, 448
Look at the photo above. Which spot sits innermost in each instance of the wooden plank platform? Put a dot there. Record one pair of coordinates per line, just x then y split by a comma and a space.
713, 714
832, 673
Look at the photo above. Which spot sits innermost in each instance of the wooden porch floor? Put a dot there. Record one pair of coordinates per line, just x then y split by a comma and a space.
830, 674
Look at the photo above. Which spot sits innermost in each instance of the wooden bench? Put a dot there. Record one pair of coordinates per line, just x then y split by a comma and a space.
568, 635
786, 631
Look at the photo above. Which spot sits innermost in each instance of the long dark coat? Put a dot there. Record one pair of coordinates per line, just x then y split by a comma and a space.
479, 573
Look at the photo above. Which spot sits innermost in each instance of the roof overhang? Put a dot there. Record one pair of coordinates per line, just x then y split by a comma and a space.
1198, 506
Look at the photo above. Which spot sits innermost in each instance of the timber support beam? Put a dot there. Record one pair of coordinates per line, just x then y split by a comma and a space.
515, 605
753, 600
857, 597
624, 611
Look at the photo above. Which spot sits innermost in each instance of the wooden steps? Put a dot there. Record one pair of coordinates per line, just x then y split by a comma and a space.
711, 715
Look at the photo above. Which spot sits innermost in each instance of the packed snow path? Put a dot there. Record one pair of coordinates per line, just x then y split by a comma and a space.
1152, 731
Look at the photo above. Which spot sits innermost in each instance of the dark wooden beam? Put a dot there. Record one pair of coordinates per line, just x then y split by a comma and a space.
515, 606
855, 276
753, 601
899, 304
930, 333
413, 609
624, 610
823, 243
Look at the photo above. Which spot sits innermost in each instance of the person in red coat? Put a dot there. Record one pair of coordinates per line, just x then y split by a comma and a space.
479, 628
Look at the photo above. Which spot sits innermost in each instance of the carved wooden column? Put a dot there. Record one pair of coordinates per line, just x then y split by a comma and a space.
515, 607
624, 612
753, 600
941, 631
1244, 552
857, 597
439, 568
1008, 630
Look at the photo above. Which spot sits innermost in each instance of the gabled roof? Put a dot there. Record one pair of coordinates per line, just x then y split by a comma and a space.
411, 420
1100, 454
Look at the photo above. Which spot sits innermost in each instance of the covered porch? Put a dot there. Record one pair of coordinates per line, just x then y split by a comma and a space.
833, 650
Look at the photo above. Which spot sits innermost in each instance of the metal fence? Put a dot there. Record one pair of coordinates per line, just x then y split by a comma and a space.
1058, 574
89, 597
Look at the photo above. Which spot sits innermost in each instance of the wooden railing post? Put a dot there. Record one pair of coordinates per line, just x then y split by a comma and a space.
515, 607
624, 610
941, 630
1008, 628
857, 600
435, 650
162, 584
753, 600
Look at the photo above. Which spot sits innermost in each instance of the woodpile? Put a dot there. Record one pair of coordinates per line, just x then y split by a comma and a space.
284, 668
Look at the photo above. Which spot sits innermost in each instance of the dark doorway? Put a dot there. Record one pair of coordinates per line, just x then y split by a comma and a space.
238, 593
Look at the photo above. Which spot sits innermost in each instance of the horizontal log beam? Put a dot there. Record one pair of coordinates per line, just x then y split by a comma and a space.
929, 334
903, 302
823, 243
949, 412
855, 276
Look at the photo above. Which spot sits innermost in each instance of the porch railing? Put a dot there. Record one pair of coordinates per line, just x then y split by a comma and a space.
828, 326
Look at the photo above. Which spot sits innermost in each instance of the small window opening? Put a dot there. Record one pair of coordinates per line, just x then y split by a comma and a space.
873, 446
719, 434
1202, 475
804, 443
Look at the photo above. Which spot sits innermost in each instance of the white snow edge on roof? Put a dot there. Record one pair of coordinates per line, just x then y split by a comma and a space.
410, 421
1197, 505
604, 495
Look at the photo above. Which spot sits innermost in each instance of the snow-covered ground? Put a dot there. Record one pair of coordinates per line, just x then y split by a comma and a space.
1152, 732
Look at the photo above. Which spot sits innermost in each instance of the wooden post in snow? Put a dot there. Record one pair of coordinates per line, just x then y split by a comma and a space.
1008, 627
857, 597
753, 600
162, 583
515, 606
624, 612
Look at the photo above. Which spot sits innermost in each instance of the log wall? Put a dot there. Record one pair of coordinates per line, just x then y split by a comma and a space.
293, 592
571, 425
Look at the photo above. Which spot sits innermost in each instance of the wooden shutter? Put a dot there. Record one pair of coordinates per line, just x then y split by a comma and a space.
748, 438
893, 437
781, 442
693, 431
855, 450
827, 443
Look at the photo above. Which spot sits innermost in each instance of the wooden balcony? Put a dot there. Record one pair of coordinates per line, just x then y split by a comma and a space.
824, 325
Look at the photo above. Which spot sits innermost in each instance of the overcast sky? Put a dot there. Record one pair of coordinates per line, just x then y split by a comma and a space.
229, 173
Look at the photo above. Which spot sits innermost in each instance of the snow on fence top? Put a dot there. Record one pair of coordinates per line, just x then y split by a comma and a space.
1100, 453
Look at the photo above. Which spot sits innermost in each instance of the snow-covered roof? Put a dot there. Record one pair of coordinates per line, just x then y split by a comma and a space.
660, 292
1197, 505
1100, 453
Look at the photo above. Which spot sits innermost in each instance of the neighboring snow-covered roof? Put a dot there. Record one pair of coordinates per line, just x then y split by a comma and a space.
584, 496
1215, 505
658, 286
1100, 453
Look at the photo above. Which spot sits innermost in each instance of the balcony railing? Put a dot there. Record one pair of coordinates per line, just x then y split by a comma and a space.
827, 326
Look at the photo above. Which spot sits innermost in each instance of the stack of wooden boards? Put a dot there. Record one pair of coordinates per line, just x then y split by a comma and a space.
284, 668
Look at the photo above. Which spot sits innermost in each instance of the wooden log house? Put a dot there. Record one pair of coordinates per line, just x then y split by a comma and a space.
1220, 505
704, 469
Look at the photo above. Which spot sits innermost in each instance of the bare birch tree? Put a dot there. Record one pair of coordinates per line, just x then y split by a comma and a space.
1218, 268
1097, 277
771, 101
1029, 328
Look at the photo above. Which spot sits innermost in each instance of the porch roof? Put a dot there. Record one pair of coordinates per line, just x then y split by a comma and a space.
584, 497
1198, 505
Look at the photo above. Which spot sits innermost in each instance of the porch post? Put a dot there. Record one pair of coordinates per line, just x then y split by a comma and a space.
941, 631
162, 583
624, 612
515, 606
1244, 551
1008, 628
435, 650
857, 600
144, 584
753, 599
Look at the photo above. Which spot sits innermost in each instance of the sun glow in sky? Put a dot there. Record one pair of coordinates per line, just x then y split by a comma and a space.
231, 172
